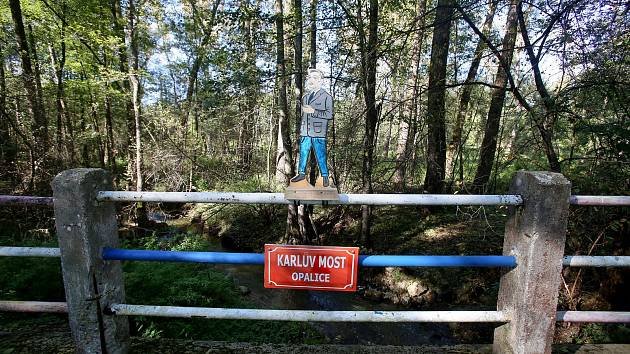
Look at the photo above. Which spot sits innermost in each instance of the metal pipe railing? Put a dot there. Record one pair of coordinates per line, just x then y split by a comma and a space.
600, 200
29, 252
365, 261
259, 258
308, 315
278, 198
354, 316
593, 316
33, 306
347, 199
23, 200
596, 261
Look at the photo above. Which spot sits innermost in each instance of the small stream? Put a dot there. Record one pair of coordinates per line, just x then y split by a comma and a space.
251, 276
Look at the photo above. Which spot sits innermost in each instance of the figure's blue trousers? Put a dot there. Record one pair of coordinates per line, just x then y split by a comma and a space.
319, 145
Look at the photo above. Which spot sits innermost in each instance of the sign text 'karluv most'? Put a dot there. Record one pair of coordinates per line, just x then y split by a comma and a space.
311, 267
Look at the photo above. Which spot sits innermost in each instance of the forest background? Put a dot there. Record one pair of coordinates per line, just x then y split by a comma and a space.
437, 96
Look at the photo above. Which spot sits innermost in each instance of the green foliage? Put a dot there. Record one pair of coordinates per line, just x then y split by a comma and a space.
31, 279
156, 283
602, 333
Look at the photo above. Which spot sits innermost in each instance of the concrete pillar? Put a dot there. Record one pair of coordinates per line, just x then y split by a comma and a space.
535, 233
84, 227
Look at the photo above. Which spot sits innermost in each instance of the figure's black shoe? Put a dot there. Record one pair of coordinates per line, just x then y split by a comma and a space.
298, 178
325, 178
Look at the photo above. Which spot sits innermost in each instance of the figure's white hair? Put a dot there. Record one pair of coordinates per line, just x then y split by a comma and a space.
316, 71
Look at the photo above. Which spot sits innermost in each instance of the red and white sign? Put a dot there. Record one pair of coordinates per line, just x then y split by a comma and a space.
311, 267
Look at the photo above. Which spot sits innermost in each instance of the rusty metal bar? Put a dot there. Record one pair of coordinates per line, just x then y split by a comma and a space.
29, 252
600, 200
19, 200
33, 306
593, 316
308, 315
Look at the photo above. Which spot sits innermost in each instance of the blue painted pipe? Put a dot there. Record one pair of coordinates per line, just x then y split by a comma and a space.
437, 261
259, 258
178, 256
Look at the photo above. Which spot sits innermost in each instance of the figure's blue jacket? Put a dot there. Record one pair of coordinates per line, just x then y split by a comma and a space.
315, 124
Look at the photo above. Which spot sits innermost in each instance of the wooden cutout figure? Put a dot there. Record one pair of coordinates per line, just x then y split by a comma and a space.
317, 111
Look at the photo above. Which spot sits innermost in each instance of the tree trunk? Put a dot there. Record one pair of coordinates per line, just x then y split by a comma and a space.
97, 129
40, 127
297, 58
123, 67
200, 55
60, 112
455, 145
135, 90
58, 63
38, 77
546, 122
249, 29
109, 122
306, 230
436, 140
369, 57
284, 157
407, 128
489, 142
8, 146
313, 36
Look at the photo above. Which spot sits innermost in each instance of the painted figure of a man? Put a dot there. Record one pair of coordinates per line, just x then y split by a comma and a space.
317, 110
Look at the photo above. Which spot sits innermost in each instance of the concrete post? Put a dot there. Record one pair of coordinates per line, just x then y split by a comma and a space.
535, 233
84, 227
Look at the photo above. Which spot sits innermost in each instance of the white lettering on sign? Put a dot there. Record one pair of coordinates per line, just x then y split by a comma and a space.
306, 261
312, 277
292, 260
332, 262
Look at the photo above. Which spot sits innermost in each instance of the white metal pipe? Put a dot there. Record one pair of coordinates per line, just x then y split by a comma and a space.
600, 200
29, 252
596, 261
307, 315
33, 306
278, 198
593, 316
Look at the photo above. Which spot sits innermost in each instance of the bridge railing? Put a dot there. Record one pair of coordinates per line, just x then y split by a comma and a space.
532, 261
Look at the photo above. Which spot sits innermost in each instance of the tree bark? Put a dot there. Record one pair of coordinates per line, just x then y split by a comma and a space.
408, 121
58, 62
368, 47
436, 140
249, 28
306, 230
455, 145
313, 34
8, 146
546, 122
134, 79
489, 142
123, 67
284, 156
38, 77
40, 126
109, 128
200, 55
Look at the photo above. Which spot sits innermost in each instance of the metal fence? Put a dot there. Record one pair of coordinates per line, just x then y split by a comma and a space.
532, 261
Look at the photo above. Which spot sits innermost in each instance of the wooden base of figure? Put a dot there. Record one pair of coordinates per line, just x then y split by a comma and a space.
303, 190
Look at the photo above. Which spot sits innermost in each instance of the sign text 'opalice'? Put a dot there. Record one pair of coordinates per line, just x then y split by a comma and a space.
311, 267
